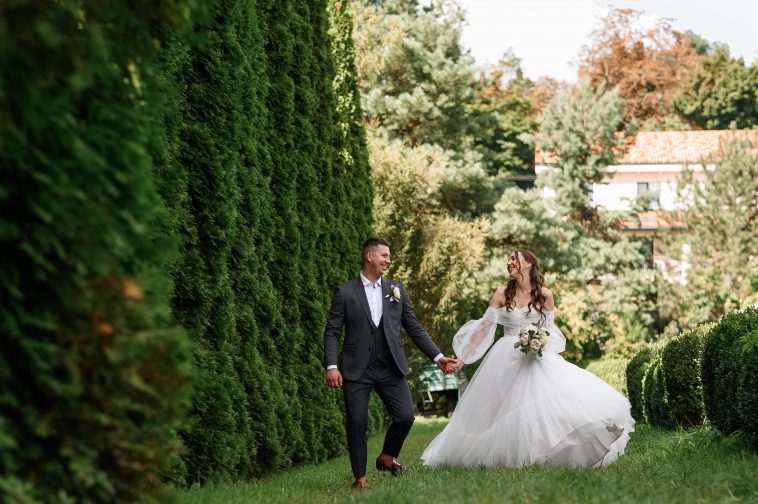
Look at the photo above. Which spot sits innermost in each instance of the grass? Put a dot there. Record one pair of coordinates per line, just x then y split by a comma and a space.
658, 467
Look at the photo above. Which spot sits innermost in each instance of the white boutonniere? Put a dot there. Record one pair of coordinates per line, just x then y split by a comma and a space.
394, 294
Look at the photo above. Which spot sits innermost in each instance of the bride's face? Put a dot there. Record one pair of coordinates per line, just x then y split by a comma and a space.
517, 265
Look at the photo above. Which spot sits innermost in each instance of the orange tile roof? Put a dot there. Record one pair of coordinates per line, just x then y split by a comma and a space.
654, 147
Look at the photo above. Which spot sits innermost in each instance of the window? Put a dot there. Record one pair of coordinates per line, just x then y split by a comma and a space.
653, 191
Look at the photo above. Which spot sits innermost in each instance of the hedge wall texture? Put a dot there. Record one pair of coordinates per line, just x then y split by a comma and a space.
728, 373
182, 194
680, 365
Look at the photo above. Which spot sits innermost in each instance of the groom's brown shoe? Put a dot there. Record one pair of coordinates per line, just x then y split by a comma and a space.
396, 469
358, 484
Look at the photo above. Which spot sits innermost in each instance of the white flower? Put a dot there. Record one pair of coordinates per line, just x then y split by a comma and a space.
523, 340
396, 292
536, 344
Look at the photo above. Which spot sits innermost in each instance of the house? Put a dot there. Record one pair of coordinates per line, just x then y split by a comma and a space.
650, 164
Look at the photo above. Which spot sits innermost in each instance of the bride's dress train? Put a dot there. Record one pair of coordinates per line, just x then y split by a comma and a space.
521, 409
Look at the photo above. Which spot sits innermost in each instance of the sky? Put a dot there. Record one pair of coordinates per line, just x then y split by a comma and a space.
548, 34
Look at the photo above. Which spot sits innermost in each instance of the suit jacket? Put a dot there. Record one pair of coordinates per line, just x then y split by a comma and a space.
350, 309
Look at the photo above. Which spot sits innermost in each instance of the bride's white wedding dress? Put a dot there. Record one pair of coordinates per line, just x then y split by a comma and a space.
522, 409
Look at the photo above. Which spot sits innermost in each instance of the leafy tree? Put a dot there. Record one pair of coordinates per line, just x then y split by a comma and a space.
645, 65
605, 293
579, 129
719, 244
414, 75
501, 113
543, 91
434, 251
721, 93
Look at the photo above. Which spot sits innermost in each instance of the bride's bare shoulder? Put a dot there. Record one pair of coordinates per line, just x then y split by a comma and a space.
549, 300
498, 298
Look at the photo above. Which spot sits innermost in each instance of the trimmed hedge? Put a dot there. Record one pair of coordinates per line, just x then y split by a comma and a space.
723, 367
94, 373
612, 371
747, 389
178, 188
635, 374
680, 368
654, 392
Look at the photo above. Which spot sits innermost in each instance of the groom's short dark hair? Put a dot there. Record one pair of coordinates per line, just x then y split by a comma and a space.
370, 243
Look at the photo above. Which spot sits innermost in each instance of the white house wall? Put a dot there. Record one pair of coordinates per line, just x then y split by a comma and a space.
620, 187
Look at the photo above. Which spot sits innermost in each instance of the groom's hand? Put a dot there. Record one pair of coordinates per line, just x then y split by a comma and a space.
445, 364
334, 378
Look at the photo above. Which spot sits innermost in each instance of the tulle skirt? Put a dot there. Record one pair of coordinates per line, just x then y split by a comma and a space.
521, 410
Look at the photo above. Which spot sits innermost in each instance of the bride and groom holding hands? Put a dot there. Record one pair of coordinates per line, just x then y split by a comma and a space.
517, 409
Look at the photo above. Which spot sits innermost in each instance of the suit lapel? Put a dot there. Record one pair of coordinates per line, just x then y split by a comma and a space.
361, 293
386, 286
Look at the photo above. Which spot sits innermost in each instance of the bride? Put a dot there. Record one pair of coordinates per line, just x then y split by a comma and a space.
522, 409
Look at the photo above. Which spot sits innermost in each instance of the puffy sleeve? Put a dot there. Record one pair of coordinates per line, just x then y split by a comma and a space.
472, 340
556, 343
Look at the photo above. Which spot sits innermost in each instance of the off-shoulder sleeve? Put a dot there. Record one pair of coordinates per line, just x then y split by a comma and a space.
472, 340
556, 343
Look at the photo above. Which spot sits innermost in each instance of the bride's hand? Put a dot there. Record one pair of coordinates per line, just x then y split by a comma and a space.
454, 366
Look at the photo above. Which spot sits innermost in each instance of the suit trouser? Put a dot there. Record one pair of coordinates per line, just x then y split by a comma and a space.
393, 390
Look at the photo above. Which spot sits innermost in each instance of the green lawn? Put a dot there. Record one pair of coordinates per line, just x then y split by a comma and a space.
658, 467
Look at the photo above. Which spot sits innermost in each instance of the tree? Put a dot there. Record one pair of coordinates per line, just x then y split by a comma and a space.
579, 129
501, 113
543, 91
719, 244
645, 65
414, 75
598, 267
721, 93
434, 250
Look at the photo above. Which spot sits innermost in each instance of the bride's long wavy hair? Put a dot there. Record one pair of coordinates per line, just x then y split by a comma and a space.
535, 277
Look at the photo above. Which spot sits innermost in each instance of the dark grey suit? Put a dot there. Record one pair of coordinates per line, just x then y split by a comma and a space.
364, 365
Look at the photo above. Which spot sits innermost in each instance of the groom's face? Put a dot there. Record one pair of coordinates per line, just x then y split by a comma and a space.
379, 259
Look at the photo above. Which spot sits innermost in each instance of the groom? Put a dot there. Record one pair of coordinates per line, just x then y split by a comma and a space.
372, 309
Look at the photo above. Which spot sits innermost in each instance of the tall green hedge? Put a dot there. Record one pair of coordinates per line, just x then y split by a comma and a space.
271, 216
185, 184
93, 378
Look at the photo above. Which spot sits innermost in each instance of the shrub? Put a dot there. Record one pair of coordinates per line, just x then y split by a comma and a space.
654, 392
612, 371
635, 373
747, 390
721, 367
93, 378
680, 368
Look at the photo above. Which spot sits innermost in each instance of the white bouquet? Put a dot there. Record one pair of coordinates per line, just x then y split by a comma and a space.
532, 338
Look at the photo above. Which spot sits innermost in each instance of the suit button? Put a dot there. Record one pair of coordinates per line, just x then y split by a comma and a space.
369, 349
